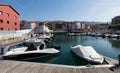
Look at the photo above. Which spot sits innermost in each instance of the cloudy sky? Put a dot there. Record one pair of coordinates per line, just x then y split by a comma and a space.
68, 10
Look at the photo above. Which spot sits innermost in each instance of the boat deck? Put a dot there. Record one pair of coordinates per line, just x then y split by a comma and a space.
7, 66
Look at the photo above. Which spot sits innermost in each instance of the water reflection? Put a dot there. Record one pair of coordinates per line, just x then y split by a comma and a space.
77, 60
115, 42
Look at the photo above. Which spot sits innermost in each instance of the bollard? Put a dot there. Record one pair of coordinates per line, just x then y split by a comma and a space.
119, 58
2, 50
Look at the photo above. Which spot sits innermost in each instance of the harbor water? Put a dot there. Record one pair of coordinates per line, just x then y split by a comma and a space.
109, 47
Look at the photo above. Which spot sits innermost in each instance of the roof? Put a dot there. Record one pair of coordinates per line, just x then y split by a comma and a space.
10, 7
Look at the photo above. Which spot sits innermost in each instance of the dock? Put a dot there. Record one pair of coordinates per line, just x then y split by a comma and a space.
7, 66
11, 66
110, 60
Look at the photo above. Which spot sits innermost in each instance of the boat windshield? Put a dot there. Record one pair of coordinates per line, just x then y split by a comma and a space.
31, 47
17, 46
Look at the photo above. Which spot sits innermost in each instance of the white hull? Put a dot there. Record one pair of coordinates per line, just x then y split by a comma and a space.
114, 35
31, 51
107, 35
17, 52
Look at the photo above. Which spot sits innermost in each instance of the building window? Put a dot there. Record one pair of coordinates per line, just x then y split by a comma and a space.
1, 21
59, 26
15, 23
15, 28
1, 12
14, 17
8, 22
7, 15
49, 26
1, 28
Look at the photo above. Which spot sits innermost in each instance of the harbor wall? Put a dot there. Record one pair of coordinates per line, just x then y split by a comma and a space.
9, 37
12, 40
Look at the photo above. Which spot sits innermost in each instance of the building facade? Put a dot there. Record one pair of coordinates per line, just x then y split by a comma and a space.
9, 18
75, 26
27, 25
116, 20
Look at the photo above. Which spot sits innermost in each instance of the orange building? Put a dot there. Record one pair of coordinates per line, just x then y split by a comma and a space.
9, 18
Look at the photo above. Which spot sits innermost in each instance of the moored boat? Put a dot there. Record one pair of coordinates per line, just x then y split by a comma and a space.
87, 53
114, 36
30, 51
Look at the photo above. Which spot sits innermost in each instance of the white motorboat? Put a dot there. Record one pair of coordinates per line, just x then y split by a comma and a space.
114, 35
31, 51
107, 35
93, 34
87, 53
45, 32
98, 34
71, 34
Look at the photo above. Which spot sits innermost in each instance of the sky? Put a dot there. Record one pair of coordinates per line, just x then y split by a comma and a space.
66, 10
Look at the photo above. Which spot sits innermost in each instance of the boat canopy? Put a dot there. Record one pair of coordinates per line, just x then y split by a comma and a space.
89, 51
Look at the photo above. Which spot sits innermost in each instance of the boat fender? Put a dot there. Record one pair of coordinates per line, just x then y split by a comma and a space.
2, 50
119, 58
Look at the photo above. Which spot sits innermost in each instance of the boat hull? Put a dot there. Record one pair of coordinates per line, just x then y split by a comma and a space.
28, 55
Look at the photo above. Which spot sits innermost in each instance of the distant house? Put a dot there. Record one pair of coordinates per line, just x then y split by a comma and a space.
116, 20
9, 18
60, 26
28, 26
99, 28
66, 25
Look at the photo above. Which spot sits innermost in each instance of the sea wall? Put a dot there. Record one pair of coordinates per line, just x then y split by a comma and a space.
11, 40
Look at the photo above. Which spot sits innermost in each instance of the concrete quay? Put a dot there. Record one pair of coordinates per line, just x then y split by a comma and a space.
7, 66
